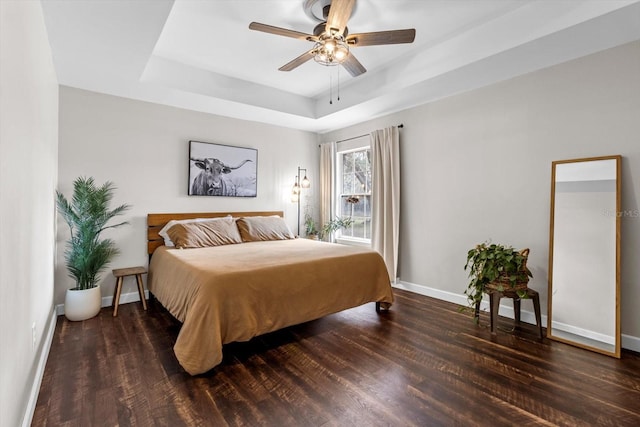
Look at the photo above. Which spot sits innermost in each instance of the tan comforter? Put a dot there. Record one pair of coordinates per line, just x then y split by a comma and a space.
235, 292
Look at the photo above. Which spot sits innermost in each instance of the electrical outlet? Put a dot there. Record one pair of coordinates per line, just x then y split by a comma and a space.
33, 335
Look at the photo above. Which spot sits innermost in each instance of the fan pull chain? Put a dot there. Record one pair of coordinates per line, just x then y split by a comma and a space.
338, 67
330, 87
331, 84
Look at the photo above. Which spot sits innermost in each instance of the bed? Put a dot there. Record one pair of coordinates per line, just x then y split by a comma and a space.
241, 289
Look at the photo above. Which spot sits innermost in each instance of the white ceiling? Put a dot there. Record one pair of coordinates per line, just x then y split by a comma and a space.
200, 55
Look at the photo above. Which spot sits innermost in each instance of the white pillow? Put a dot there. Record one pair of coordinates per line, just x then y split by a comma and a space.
165, 236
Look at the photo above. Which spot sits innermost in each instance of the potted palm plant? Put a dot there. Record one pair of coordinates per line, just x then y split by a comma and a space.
86, 255
496, 267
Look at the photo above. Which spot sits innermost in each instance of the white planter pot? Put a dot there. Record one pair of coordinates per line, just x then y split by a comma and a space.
82, 304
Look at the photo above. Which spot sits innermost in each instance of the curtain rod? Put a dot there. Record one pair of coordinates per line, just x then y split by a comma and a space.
400, 126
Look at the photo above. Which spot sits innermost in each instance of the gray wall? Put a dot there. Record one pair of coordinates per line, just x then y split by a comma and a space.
143, 149
28, 174
477, 166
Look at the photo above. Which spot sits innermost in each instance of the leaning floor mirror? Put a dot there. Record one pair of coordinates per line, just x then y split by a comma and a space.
584, 254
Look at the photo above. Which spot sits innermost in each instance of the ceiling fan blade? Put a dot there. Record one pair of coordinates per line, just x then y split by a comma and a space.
339, 14
353, 66
382, 37
281, 31
298, 61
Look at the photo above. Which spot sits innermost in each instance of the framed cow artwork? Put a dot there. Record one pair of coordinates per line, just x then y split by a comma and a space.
222, 170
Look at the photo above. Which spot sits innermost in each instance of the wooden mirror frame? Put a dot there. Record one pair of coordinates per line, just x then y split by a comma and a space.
616, 347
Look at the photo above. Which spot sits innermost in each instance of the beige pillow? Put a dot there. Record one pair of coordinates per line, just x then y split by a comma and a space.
163, 232
260, 228
202, 234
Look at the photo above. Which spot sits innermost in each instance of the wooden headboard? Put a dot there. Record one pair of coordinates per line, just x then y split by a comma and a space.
155, 222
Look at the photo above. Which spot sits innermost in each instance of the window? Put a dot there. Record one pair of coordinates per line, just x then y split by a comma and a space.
354, 192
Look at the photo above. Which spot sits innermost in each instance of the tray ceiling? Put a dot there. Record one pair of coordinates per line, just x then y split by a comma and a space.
200, 55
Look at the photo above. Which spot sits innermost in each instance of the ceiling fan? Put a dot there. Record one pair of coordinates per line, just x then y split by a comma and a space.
333, 41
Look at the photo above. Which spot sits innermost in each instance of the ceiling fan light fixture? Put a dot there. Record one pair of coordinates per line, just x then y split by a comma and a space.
330, 45
332, 38
331, 50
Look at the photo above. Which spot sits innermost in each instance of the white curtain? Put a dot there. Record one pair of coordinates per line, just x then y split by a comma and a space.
385, 196
327, 156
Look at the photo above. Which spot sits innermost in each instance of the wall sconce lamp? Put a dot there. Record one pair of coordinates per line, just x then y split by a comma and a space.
295, 191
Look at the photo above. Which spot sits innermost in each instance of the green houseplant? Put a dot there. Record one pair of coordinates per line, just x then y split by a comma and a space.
499, 267
86, 255
310, 229
333, 225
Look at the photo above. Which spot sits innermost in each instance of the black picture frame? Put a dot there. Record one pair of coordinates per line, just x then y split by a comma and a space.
222, 170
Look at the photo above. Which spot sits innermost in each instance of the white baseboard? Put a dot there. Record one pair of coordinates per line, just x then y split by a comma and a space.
461, 299
627, 341
581, 332
434, 293
630, 342
107, 301
45, 346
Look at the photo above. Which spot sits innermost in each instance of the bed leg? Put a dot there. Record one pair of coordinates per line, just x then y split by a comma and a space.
382, 306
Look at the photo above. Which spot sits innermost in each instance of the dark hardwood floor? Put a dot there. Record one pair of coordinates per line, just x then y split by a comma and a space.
423, 363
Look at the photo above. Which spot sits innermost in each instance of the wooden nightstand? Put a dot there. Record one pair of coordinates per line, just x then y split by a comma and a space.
120, 274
